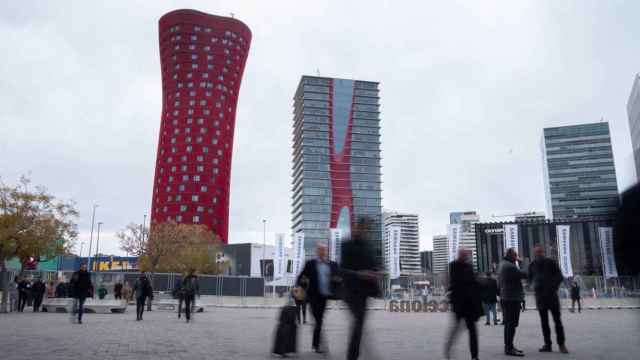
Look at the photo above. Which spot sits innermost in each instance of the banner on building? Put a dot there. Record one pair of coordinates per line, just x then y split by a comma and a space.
511, 239
298, 253
335, 242
563, 233
609, 268
279, 264
454, 234
394, 233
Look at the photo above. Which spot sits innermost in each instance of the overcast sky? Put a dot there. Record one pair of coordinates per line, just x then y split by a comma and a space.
466, 89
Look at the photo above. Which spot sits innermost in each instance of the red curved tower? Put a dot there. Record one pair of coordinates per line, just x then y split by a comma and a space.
202, 58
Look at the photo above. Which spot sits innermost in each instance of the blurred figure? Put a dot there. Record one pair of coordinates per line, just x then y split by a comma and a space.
14, 294
511, 296
359, 270
102, 292
51, 290
575, 296
126, 292
465, 299
179, 295
142, 290
61, 290
38, 294
627, 231
490, 295
545, 277
319, 272
22, 294
80, 287
190, 288
117, 291
299, 294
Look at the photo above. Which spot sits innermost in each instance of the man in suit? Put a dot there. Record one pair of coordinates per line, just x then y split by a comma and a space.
320, 272
545, 276
511, 296
465, 299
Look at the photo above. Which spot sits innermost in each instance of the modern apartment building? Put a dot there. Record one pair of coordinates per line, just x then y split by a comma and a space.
409, 241
579, 171
440, 254
336, 160
467, 219
202, 58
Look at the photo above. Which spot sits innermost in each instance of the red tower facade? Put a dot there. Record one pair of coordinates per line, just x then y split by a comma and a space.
202, 58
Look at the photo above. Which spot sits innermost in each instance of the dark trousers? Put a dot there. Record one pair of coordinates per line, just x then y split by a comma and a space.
301, 311
189, 302
473, 334
78, 307
546, 305
22, 300
180, 301
358, 306
117, 296
318, 306
511, 318
573, 304
140, 306
37, 301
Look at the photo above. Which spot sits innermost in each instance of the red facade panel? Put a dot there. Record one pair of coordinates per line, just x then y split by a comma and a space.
202, 59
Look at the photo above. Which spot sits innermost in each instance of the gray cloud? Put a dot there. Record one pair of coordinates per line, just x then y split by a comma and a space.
466, 89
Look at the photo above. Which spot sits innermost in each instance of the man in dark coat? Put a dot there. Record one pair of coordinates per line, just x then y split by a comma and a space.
575, 296
359, 270
143, 290
80, 285
545, 277
190, 287
490, 295
320, 273
39, 288
117, 291
511, 296
464, 296
22, 294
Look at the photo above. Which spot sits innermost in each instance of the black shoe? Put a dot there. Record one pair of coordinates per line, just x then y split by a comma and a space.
496, 323
546, 348
513, 352
487, 323
518, 350
318, 350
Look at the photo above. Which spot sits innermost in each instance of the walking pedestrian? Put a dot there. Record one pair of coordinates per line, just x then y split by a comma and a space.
190, 288
511, 296
490, 295
51, 290
575, 296
22, 294
142, 290
299, 295
126, 292
80, 286
14, 294
319, 271
360, 281
466, 301
545, 277
38, 290
117, 291
61, 290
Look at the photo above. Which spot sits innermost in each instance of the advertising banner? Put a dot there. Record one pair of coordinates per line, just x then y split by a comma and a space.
564, 249
609, 268
511, 239
335, 243
454, 234
280, 265
298, 253
394, 234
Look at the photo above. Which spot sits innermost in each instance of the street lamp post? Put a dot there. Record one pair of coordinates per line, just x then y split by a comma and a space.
264, 251
93, 221
97, 252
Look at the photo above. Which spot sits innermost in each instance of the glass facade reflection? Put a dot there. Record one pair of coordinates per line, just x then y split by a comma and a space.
336, 157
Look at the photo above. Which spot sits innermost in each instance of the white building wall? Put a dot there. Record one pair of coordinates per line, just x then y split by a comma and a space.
409, 241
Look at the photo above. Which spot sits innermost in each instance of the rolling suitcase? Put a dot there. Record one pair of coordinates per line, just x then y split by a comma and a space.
286, 332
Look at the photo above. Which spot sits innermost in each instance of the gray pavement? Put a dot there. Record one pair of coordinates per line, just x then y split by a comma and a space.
227, 333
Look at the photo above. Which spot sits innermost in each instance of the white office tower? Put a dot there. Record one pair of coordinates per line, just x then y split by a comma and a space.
409, 241
440, 254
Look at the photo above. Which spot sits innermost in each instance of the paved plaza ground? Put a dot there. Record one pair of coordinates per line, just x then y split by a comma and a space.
228, 333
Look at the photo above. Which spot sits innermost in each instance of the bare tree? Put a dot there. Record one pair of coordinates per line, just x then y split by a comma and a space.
133, 239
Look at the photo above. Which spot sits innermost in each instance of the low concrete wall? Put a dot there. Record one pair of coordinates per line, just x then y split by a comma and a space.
65, 305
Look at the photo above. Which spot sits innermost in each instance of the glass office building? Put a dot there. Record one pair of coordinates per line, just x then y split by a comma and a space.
336, 159
579, 172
